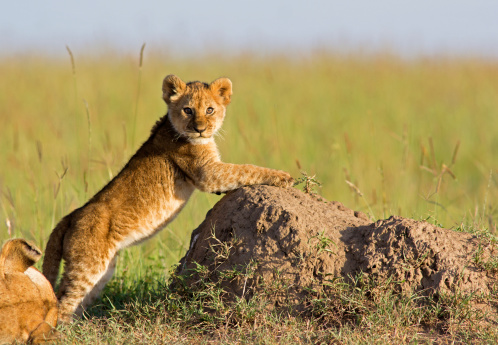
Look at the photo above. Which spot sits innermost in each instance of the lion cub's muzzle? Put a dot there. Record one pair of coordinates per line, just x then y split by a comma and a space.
200, 127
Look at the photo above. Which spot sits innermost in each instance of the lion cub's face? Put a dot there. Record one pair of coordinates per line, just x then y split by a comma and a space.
196, 109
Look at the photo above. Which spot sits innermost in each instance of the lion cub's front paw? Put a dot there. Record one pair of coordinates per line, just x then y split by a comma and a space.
283, 179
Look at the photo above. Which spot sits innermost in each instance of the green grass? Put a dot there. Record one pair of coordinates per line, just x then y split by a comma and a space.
415, 138
362, 311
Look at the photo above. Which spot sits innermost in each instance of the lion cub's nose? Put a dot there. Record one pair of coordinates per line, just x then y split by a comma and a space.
200, 129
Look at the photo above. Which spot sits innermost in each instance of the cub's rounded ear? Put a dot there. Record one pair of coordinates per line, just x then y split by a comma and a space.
31, 252
173, 88
222, 87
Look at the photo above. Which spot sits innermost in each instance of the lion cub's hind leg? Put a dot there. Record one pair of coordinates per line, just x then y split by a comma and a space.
81, 283
43, 333
97, 289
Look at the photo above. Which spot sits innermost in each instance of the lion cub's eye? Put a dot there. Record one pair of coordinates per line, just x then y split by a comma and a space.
187, 110
209, 111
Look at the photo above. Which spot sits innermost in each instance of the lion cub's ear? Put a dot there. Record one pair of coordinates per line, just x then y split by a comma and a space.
222, 87
173, 88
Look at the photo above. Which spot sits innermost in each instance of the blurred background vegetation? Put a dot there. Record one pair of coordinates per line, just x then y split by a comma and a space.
384, 135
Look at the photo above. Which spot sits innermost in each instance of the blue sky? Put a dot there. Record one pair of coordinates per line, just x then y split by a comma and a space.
452, 27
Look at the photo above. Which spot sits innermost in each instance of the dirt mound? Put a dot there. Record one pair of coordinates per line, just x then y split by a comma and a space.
305, 240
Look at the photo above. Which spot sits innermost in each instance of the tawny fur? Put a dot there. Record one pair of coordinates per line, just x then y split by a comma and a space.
179, 156
28, 307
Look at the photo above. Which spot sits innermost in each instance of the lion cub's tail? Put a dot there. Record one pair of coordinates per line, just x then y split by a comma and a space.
53, 251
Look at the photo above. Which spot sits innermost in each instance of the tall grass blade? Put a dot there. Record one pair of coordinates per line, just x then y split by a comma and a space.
139, 84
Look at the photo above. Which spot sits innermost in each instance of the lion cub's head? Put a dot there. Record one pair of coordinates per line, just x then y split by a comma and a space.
196, 109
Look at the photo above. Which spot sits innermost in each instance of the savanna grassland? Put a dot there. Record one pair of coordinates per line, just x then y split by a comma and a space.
416, 138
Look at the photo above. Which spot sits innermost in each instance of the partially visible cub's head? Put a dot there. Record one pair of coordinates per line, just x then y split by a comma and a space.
196, 109
17, 255
28, 306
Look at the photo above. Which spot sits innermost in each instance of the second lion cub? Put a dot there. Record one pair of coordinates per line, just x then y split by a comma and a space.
179, 156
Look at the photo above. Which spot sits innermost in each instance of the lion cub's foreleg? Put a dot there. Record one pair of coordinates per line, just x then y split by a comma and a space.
224, 177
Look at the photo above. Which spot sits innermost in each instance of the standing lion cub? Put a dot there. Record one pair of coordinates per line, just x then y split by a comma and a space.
179, 156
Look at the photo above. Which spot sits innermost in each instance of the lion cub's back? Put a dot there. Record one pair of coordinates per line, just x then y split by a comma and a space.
26, 301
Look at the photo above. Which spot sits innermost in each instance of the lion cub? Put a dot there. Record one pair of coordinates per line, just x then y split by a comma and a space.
179, 156
28, 307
